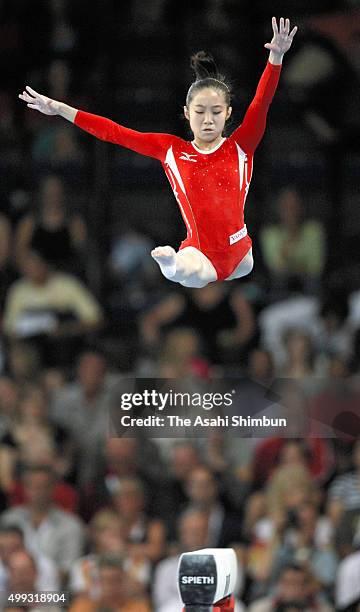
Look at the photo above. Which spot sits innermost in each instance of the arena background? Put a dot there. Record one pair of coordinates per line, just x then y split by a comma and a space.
78, 218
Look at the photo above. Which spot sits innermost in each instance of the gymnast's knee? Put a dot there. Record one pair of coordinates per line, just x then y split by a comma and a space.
248, 264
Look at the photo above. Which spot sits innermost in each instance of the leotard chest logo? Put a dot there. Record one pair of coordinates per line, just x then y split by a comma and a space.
188, 156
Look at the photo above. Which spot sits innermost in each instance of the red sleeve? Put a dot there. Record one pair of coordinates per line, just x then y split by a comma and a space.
152, 145
250, 132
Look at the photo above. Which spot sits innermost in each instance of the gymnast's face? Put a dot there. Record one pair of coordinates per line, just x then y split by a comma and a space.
207, 114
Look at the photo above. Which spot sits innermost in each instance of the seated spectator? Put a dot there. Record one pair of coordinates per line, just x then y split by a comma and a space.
65, 495
230, 463
223, 317
266, 458
180, 355
105, 537
66, 149
192, 534
297, 311
108, 535
291, 482
60, 237
261, 366
47, 529
306, 540
295, 590
301, 536
50, 309
183, 458
56, 149
224, 528
128, 260
344, 492
33, 436
293, 247
23, 578
23, 363
347, 595
336, 332
11, 541
127, 458
299, 359
113, 591
86, 400
144, 537
134, 458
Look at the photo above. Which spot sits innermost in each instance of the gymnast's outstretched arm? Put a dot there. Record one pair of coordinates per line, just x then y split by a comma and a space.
150, 144
249, 134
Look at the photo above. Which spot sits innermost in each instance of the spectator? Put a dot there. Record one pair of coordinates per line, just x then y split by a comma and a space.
145, 538
128, 259
297, 311
261, 366
51, 310
344, 505
180, 355
134, 458
291, 482
184, 457
47, 529
127, 458
32, 435
58, 236
203, 492
11, 541
306, 540
344, 492
293, 247
105, 537
294, 591
192, 535
224, 319
87, 400
66, 157
266, 458
336, 336
23, 577
23, 362
113, 595
347, 583
299, 359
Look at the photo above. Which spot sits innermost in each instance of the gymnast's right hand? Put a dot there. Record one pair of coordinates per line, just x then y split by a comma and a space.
39, 102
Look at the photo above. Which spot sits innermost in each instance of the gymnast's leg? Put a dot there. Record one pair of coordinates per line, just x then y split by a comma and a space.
244, 267
189, 266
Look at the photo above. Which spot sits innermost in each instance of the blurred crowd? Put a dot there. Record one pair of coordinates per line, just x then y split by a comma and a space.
83, 306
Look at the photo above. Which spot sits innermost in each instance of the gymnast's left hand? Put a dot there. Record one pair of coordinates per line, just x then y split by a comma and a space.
282, 37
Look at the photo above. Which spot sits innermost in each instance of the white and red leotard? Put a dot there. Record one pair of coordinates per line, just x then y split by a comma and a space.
209, 186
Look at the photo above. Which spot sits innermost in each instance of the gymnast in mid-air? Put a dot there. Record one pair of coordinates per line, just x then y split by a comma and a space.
210, 175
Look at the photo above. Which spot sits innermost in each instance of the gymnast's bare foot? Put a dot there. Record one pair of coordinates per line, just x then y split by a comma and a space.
165, 256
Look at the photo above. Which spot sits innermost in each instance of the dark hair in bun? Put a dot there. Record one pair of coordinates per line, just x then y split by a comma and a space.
207, 75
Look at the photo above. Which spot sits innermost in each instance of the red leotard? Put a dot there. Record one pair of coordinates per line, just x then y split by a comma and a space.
209, 186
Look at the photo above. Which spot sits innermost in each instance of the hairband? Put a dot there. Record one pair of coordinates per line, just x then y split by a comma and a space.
218, 81
213, 79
